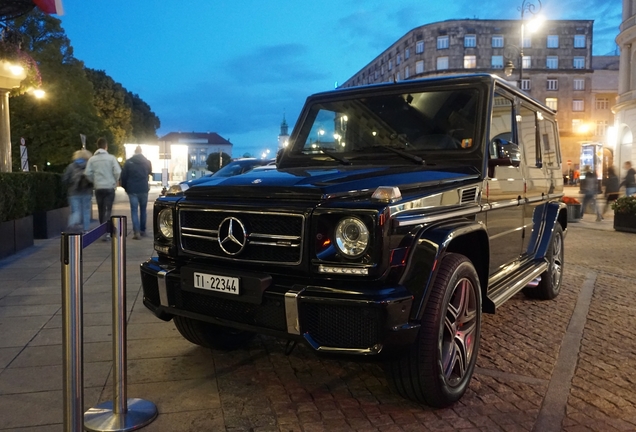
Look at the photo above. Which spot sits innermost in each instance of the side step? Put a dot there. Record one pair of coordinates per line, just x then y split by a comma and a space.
506, 288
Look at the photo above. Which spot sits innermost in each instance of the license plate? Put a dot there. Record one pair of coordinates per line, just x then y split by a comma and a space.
226, 284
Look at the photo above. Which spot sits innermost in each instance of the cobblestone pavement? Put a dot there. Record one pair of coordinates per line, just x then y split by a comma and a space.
567, 364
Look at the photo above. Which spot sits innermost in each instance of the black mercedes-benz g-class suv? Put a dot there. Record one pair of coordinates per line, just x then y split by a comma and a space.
396, 216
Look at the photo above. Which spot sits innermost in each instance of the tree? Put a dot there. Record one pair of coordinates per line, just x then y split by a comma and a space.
109, 98
213, 161
144, 122
51, 126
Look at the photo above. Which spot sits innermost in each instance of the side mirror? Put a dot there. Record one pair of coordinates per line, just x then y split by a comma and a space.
507, 152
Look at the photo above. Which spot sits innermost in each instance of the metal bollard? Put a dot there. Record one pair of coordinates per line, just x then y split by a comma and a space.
121, 414
72, 338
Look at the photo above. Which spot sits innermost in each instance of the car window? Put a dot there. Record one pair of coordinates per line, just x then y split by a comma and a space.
440, 120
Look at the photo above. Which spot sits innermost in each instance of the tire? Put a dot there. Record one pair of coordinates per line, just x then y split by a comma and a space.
550, 284
210, 335
439, 365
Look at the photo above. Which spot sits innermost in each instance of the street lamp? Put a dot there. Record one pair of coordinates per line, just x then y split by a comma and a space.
511, 51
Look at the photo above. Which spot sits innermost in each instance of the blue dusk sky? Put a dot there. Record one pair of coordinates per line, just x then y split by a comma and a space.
236, 67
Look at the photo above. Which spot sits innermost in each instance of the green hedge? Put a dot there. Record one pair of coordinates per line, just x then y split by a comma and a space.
23, 193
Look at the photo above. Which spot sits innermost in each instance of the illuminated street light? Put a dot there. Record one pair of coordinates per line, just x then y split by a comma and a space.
16, 69
512, 51
39, 93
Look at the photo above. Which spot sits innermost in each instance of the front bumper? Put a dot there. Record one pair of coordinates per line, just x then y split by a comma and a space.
329, 320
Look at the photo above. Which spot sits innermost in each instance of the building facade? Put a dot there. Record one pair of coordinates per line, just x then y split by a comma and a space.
554, 64
199, 146
625, 108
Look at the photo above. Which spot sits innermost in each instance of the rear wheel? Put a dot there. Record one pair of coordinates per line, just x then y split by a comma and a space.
550, 284
210, 335
439, 366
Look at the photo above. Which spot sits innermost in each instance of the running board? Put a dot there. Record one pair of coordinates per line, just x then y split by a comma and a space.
503, 290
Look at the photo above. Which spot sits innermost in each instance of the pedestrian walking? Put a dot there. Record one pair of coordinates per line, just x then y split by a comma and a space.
612, 188
589, 186
134, 180
630, 179
103, 170
80, 191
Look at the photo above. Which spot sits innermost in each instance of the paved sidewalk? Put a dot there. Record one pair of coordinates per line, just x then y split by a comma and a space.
543, 366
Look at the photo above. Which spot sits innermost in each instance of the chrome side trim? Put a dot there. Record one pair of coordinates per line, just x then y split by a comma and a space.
504, 204
418, 219
543, 197
291, 312
161, 285
200, 236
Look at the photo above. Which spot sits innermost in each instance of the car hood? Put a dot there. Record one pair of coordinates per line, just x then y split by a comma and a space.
327, 182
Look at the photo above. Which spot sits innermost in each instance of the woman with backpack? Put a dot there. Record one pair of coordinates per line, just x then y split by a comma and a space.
80, 191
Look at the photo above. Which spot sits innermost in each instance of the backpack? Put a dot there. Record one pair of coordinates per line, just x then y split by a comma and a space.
80, 181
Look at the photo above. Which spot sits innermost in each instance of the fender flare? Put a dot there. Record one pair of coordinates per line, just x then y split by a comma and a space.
429, 247
555, 213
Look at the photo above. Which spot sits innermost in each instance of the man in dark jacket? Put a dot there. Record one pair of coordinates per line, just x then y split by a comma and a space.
134, 180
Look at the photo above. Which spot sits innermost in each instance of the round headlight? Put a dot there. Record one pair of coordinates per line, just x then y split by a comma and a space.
164, 222
352, 237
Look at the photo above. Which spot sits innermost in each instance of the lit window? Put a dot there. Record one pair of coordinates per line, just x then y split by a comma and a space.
578, 63
497, 41
407, 74
602, 103
552, 62
496, 62
579, 84
442, 42
601, 127
470, 41
470, 62
419, 47
407, 53
577, 105
579, 41
419, 67
551, 103
526, 62
525, 84
527, 42
442, 63
553, 41
553, 84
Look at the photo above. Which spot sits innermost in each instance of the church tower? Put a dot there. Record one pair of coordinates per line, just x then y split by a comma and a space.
283, 137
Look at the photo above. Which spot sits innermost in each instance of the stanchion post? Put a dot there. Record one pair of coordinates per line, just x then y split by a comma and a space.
121, 414
72, 338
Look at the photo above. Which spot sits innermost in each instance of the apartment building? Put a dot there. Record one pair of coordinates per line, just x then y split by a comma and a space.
558, 68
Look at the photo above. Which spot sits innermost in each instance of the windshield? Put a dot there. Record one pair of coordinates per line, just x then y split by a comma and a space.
426, 123
236, 168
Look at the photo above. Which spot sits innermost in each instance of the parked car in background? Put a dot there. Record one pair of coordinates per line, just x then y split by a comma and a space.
397, 215
235, 167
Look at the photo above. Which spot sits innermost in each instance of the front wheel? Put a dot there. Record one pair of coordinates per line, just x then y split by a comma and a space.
439, 366
550, 284
210, 335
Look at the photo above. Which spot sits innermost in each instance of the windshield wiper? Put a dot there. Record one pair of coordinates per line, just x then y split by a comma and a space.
334, 156
405, 155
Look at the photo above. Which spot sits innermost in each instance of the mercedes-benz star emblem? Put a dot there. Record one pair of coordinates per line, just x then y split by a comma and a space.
232, 236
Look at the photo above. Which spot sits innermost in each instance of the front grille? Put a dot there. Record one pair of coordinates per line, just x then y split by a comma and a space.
269, 314
339, 326
273, 238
